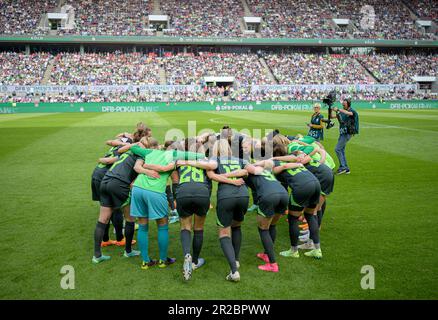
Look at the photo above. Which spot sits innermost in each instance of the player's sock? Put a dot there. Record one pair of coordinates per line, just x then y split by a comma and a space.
321, 213
143, 241
294, 231
98, 236
198, 239
170, 198
105, 237
313, 228
117, 219
163, 241
186, 238
227, 248
236, 237
267, 244
272, 233
129, 235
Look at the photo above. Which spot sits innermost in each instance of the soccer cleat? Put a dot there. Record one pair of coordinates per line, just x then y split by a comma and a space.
168, 262
147, 265
173, 219
233, 277
347, 171
102, 258
201, 262
271, 267
254, 207
122, 242
304, 238
307, 246
187, 267
341, 171
263, 256
133, 253
290, 253
303, 232
107, 243
315, 253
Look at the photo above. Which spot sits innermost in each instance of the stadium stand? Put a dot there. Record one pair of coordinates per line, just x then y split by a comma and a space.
22, 69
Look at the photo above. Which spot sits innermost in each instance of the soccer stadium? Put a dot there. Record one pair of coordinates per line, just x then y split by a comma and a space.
229, 150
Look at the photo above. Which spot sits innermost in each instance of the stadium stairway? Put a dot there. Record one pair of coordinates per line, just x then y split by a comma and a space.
156, 8
162, 74
48, 72
268, 70
367, 71
248, 12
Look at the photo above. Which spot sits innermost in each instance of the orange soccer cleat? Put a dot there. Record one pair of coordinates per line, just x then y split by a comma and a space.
108, 243
122, 242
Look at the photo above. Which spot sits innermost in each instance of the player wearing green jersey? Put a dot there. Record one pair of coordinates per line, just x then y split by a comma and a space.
272, 200
232, 202
149, 201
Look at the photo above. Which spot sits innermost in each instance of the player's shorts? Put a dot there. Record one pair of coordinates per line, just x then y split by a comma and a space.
305, 197
325, 177
148, 204
187, 206
230, 209
113, 193
271, 204
95, 189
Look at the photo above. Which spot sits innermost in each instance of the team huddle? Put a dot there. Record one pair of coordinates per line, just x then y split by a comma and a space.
139, 181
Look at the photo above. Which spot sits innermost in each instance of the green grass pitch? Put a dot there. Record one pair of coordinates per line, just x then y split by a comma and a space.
383, 214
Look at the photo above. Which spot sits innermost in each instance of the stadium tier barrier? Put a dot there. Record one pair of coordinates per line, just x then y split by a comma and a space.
218, 40
202, 106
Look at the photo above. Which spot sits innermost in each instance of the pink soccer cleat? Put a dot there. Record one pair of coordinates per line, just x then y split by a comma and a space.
270, 267
263, 256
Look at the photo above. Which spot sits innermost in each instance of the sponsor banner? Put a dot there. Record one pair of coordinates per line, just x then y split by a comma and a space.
246, 106
329, 87
106, 88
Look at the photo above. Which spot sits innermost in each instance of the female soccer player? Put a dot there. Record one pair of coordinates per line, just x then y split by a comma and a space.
114, 193
232, 202
149, 201
304, 198
272, 200
193, 199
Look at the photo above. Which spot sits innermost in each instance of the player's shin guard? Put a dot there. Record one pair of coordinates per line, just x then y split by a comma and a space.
143, 241
227, 248
198, 239
294, 231
106, 237
98, 236
236, 237
129, 235
268, 245
163, 241
186, 238
313, 229
117, 219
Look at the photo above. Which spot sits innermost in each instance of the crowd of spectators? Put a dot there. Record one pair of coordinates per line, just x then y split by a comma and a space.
247, 70
295, 19
22, 16
374, 19
22, 69
425, 9
191, 69
105, 69
204, 18
111, 17
300, 68
400, 68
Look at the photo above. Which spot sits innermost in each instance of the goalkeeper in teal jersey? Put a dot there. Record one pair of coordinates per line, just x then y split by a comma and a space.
149, 201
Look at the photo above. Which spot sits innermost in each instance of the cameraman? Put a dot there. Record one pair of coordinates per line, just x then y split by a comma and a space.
348, 126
